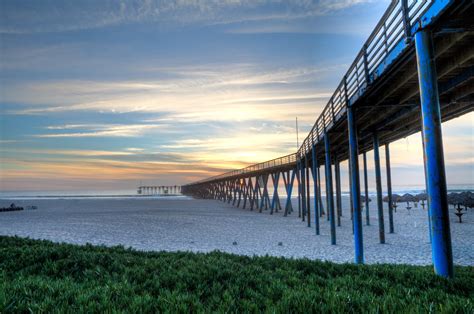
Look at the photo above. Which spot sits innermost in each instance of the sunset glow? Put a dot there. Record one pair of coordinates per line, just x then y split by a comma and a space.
175, 91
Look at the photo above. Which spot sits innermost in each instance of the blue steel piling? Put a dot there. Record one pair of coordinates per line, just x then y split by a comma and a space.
308, 193
337, 172
366, 188
314, 165
351, 208
256, 192
389, 189
434, 160
303, 192
291, 180
265, 196
320, 199
329, 193
275, 198
355, 187
298, 179
378, 183
426, 184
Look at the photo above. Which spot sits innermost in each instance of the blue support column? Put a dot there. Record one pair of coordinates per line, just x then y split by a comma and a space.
389, 189
337, 172
303, 191
314, 167
434, 158
257, 191
351, 208
426, 184
308, 193
288, 205
366, 187
378, 184
355, 187
275, 181
320, 198
329, 193
298, 179
265, 196
246, 189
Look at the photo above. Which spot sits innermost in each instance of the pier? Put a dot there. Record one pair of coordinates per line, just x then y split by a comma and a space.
159, 190
414, 72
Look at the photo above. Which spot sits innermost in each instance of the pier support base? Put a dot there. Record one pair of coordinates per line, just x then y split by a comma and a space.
329, 192
355, 187
434, 159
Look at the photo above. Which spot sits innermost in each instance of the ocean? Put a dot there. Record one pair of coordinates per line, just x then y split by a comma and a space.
132, 193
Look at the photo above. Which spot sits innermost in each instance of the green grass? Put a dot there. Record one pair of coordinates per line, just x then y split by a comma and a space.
42, 276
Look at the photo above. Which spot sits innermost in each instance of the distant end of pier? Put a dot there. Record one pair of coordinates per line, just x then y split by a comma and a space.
159, 190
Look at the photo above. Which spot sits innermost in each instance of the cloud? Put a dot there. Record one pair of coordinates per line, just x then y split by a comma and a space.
65, 16
130, 130
8, 141
212, 92
74, 169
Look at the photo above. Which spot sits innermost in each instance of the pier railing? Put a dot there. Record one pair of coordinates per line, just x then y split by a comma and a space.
388, 40
277, 162
391, 36
405, 36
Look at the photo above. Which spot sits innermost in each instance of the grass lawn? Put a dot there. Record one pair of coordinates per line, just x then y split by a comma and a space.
42, 276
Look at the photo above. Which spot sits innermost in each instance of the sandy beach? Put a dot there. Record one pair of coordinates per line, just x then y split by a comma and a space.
184, 224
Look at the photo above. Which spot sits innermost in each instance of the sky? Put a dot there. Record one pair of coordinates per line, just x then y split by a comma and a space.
113, 94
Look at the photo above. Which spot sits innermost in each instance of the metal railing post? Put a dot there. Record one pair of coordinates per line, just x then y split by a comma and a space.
366, 66
406, 20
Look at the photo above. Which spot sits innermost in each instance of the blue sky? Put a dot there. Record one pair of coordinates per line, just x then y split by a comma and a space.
107, 94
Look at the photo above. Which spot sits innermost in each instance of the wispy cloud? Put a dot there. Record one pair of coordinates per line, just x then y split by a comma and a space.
130, 130
206, 93
8, 141
71, 16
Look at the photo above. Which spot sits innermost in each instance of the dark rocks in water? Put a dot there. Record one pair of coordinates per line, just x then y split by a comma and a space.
234, 243
12, 207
